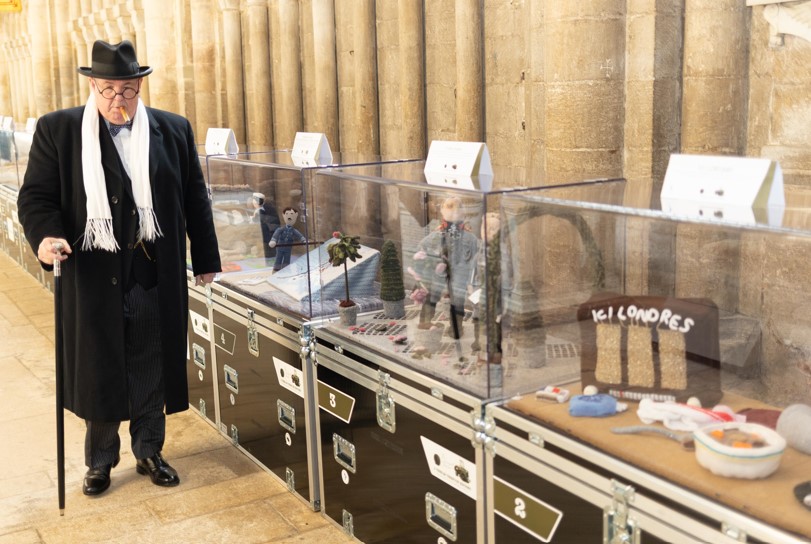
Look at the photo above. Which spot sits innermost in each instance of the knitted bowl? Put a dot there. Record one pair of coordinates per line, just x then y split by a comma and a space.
757, 455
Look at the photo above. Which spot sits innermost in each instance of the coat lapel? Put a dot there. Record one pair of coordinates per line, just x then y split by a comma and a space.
155, 148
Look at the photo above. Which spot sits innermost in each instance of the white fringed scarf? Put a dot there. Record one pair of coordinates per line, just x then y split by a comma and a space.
98, 233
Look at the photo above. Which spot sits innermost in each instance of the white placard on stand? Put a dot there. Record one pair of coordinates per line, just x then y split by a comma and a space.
31, 125
311, 149
725, 188
459, 164
221, 141
8, 123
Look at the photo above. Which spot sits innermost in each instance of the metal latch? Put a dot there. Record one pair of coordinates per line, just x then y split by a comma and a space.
484, 428
618, 527
231, 378
307, 344
386, 416
202, 405
287, 415
349, 525
253, 336
441, 516
290, 478
234, 434
344, 452
199, 355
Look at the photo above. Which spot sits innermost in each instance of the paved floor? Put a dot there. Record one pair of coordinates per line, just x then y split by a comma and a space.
223, 495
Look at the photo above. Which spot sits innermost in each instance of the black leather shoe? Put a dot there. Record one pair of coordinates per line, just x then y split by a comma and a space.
97, 480
159, 470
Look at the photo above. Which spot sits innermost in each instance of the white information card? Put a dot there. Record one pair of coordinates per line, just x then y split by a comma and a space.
221, 141
311, 149
459, 164
31, 124
738, 189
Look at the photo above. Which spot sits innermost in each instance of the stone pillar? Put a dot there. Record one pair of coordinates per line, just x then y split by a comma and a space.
326, 72
204, 51
584, 46
136, 11
366, 104
185, 61
64, 94
259, 116
469, 71
652, 121
43, 86
85, 52
285, 46
412, 78
112, 28
714, 121
5, 75
286, 68
716, 60
232, 43
17, 88
161, 55
28, 79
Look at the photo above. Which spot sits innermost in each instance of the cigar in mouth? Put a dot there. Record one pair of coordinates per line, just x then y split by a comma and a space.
124, 114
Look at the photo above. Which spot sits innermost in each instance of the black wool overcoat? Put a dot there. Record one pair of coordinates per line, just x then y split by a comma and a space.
52, 202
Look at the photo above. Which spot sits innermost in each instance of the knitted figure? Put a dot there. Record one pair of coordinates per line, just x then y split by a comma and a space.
444, 263
285, 237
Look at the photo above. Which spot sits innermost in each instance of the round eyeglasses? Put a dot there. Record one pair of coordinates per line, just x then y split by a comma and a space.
128, 93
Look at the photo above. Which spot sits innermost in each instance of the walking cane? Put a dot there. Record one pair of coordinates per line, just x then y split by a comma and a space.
60, 412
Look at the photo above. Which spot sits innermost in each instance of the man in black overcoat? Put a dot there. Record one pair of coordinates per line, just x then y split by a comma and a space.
119, 185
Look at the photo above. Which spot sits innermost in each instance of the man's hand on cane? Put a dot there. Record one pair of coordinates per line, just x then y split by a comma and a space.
49, 250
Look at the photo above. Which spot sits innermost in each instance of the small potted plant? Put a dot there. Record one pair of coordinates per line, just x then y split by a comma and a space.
345, 247
392, 291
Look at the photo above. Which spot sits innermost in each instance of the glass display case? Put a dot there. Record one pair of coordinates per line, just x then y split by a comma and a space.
265, 226
10, 181
445, 263
671, 355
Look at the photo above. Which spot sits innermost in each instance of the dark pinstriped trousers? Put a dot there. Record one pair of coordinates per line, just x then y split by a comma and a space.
144, 383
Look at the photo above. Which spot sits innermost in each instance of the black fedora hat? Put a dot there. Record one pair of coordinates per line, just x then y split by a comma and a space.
114, 62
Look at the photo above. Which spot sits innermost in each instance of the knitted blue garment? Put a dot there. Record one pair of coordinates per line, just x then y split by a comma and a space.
599, 405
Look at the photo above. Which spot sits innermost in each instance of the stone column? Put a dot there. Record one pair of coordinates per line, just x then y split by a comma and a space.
326, 72
64, 94
259, 116
469, 71
652, 121
161, 55
714, 121
232, 43
43, 83
412, 78
5, 75
584, 67
204, 51
285, 46
28, 79
366, 105
112, 28
136, 11
17, 88
85, 52
716, 59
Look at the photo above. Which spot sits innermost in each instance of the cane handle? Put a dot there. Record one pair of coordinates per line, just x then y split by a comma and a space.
57, 246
